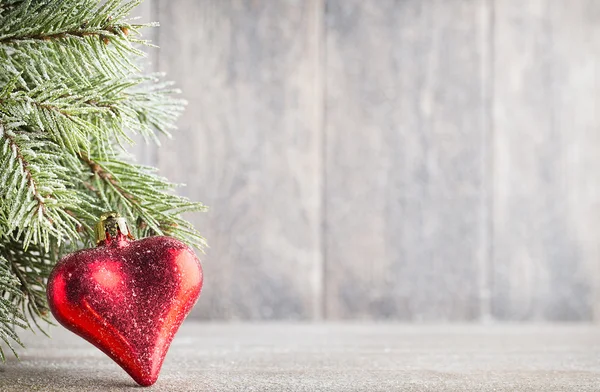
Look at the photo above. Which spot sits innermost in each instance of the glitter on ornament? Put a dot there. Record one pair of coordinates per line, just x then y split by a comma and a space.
127, 297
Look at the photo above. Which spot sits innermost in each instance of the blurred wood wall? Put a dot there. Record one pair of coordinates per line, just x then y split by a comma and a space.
379, 159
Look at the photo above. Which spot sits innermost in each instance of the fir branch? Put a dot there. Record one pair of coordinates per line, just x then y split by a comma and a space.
16, 151
22, 290
106, 177
100, 108
103, 34
79, 41
70, 94
10, 313
30, 267
36, 192
142, 197
59, 19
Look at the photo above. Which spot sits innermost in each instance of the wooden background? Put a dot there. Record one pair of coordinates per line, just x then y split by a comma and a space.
417, 160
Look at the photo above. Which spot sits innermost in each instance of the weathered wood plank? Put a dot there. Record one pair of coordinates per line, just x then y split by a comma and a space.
249, 147
546, 230
405, 124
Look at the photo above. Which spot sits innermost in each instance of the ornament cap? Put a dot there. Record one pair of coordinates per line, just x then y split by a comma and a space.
110, 225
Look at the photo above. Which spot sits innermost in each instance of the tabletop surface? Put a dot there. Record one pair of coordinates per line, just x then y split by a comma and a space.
328, 357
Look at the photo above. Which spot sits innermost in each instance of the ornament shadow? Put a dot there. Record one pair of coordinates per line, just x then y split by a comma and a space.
80, 379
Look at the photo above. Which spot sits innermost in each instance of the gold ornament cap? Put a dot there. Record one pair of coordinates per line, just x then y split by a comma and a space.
110, 224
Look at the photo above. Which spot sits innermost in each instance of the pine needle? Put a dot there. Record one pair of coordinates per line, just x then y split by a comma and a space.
71, 96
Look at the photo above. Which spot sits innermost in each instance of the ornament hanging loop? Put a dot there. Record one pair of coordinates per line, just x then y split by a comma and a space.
110, 225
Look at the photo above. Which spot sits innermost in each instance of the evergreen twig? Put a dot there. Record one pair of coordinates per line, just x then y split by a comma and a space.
71, 95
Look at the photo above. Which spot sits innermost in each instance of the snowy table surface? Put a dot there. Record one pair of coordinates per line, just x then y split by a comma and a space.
328, 357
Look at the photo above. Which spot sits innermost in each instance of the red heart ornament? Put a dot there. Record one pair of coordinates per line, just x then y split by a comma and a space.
128, 298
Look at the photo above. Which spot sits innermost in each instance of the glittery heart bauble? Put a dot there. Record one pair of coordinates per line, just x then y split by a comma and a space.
128, 298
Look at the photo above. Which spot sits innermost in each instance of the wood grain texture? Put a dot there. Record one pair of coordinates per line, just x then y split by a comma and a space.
249, 147
405, 162
418, 160
546, 159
